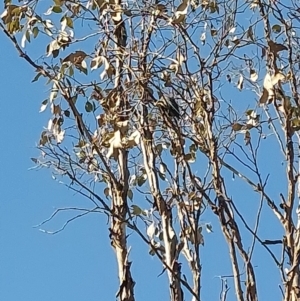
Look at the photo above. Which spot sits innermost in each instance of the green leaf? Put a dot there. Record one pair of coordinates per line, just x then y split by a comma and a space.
62, 69
141, 180
81, 144
162, 176
58, 2
56, 9
89, 106
71, 71
191, 158
55, 53
130, 194
276, 28
136, 210
27, 35
67, 113
159, 148
34, 160
36, 77
69, 22
35, 32
106, 192
128, 13
214, 7
74, 98
193, 148
152, 252
208, 228
296, 124
16, 11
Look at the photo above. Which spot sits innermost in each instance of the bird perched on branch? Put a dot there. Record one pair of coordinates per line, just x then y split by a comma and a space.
169, 106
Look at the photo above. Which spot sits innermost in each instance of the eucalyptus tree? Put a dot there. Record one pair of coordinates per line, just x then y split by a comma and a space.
163, 114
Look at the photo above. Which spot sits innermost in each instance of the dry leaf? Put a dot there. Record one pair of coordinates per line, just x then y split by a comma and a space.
181, 12
96, 62
134, 139
115, 143
52, 47
264, 97
269, 84
275, 47
250, 34
151, 230
116, 15
247, 137
75, 58
122, 126
240, 82
203, 38
55, 109
59, 136
253, 75
54, 129
159, 9
237, 127
43, 106
108, 68
254, 4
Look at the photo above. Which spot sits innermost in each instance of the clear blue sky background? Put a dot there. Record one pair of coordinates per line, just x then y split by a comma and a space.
78, 263
33, 265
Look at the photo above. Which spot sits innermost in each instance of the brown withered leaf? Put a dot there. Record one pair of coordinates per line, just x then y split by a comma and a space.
247, 137
264, 97
181, 12
75, 58
275, 47
237, 127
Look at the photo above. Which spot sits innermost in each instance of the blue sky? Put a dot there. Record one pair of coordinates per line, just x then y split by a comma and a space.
73, 265
78, 263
